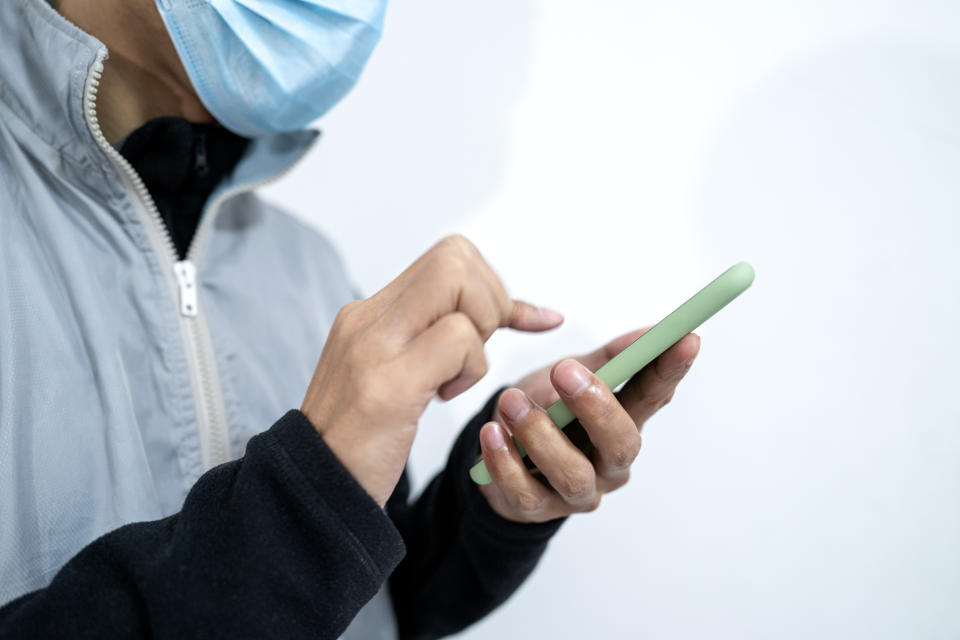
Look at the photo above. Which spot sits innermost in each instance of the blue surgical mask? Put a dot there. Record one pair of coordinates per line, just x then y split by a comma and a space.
267, 66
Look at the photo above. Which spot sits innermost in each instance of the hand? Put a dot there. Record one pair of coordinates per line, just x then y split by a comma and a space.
566, 480
387, 356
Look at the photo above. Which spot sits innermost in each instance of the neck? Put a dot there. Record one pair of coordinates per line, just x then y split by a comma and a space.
143, 77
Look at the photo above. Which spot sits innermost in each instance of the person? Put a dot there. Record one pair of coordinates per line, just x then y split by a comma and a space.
162, 471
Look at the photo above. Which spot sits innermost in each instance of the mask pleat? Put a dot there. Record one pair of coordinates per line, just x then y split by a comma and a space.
282, 62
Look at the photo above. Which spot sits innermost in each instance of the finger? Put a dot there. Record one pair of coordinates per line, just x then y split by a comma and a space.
456, 278
516, 491
492, 281
651, 389
564, 466
441, 281
515, 314
448, 356
524, 316
427, 261
612, 431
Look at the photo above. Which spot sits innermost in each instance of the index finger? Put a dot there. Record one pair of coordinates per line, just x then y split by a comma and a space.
454, 278
524, 316
514, 314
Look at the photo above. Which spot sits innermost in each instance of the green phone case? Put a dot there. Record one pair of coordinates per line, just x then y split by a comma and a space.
644, 350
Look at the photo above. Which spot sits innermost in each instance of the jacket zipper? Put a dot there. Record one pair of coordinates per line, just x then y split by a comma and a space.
181, 276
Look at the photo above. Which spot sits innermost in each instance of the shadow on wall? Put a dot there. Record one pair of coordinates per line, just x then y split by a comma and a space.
421, 140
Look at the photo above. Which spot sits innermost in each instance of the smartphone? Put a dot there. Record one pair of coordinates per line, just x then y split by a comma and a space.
645, 349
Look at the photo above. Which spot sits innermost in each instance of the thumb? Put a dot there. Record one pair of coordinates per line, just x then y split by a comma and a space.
538, 386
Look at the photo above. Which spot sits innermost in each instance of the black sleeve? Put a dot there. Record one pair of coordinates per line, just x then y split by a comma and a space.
463, 559
282, 543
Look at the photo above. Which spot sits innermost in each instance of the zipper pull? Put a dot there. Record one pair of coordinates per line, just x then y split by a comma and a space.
187, 279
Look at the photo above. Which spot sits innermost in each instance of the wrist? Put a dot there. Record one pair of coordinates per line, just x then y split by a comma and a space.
376, 464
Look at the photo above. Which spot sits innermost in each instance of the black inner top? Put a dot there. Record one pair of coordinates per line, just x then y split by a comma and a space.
181, 163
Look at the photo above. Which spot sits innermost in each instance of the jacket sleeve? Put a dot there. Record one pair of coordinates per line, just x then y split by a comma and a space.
281, 543
463, 559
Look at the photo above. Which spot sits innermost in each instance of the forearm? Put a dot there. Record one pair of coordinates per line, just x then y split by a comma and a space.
463, 560
281, 543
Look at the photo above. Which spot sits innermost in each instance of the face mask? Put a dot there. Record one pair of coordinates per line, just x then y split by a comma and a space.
267, 66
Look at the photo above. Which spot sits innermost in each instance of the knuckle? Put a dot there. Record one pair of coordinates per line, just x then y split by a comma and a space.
482, 365
631, 449
607, 408
651, 403
352, 305
348, 330
593, 504
621, 457
593, 401
490, 322
347, 311
525, 501
458, 268
508, 312
454, 275
665, 400
457, 243
463, 329
574, 484
618, 481
475, 366
531, 432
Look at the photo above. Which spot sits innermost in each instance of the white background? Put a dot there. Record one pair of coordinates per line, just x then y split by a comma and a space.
609, 159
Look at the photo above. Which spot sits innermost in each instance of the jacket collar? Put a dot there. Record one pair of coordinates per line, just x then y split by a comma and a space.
43, 79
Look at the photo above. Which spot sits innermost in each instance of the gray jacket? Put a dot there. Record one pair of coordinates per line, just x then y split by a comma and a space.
124, 375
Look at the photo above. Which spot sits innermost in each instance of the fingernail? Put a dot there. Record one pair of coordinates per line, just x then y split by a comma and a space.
550, 315
572, 377
492, 435
514, 405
